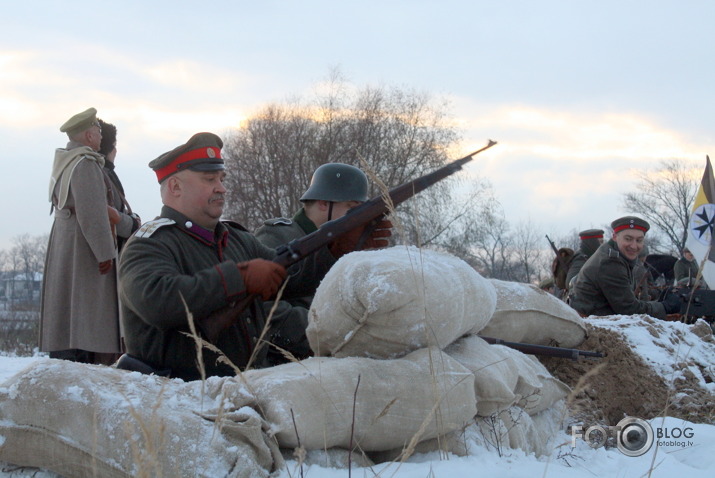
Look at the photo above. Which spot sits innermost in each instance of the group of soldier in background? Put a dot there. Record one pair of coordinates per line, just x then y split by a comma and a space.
613, 277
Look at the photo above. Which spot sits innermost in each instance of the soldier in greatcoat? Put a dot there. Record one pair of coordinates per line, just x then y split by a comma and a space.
79, 311
334, 189
605, 284
188, 265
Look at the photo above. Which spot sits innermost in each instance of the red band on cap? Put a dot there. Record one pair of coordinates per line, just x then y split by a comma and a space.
629, 226
600, 236
175, 165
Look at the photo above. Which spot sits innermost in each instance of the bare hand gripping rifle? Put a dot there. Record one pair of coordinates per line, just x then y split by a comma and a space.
358, 216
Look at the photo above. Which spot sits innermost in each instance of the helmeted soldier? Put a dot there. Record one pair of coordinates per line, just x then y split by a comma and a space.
188, 259
605, 284
334, 189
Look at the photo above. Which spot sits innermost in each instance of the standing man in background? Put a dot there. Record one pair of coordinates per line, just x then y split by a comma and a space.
79, 318
128, 221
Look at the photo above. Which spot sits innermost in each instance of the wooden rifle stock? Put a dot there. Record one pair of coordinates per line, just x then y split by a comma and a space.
298, 249
533, 349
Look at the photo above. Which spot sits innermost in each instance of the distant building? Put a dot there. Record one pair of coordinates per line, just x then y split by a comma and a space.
21, 287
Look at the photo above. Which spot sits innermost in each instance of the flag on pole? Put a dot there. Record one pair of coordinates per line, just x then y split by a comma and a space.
700, 226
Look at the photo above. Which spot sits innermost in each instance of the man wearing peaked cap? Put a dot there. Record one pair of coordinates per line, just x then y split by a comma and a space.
630, 222
605, 285
188, 258
202, 152
79, 318
591, 239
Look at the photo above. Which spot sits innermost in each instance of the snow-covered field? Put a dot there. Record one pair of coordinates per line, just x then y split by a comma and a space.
691, 455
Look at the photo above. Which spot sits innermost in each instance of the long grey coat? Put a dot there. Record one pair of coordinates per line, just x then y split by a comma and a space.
79, 305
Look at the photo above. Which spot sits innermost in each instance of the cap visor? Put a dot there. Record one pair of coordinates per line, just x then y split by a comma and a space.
207, 167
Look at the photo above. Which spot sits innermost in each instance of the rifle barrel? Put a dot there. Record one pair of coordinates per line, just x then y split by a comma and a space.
534, 349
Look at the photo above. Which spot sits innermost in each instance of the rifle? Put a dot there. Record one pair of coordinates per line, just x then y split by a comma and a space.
533, 349
298, 249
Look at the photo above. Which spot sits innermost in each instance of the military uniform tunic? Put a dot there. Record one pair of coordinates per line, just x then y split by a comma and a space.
290, 318
604, 286
169, 259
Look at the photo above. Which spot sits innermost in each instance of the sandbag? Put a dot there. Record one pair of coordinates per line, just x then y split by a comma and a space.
84, 421
422, 395
505, 377
525, 313
330, 458
386, 303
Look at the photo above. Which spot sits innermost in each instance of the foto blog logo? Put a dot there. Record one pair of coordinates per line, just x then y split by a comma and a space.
633, 436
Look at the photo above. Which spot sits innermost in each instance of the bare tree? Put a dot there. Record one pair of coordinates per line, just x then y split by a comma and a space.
392, 134
23, 264
528, 252
665, 198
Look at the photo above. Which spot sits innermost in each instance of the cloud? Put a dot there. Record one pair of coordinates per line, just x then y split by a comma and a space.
41, 88
568, 136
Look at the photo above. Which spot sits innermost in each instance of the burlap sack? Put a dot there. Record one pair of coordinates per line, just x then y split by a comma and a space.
420, 396
505, 377
525, 313
386, 303
83, 420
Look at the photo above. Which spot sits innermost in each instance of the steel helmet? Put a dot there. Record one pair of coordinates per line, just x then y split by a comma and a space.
337, 182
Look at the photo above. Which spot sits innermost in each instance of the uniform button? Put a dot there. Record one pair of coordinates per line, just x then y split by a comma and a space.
248, 321
188, 224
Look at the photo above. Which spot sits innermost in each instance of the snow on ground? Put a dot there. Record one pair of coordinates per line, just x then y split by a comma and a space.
691, 454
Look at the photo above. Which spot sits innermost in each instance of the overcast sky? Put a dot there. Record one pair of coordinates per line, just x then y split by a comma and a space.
579, 95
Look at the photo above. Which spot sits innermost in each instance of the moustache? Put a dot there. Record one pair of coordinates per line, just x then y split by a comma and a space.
216, 197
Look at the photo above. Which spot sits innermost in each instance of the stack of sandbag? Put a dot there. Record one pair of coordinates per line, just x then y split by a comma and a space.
83, 421
386, 303
363, 403
389, 302
525, 313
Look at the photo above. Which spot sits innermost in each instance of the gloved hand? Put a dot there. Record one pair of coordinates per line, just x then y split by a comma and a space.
671, 303
262, 277
114, 217
105, 266
381, 230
